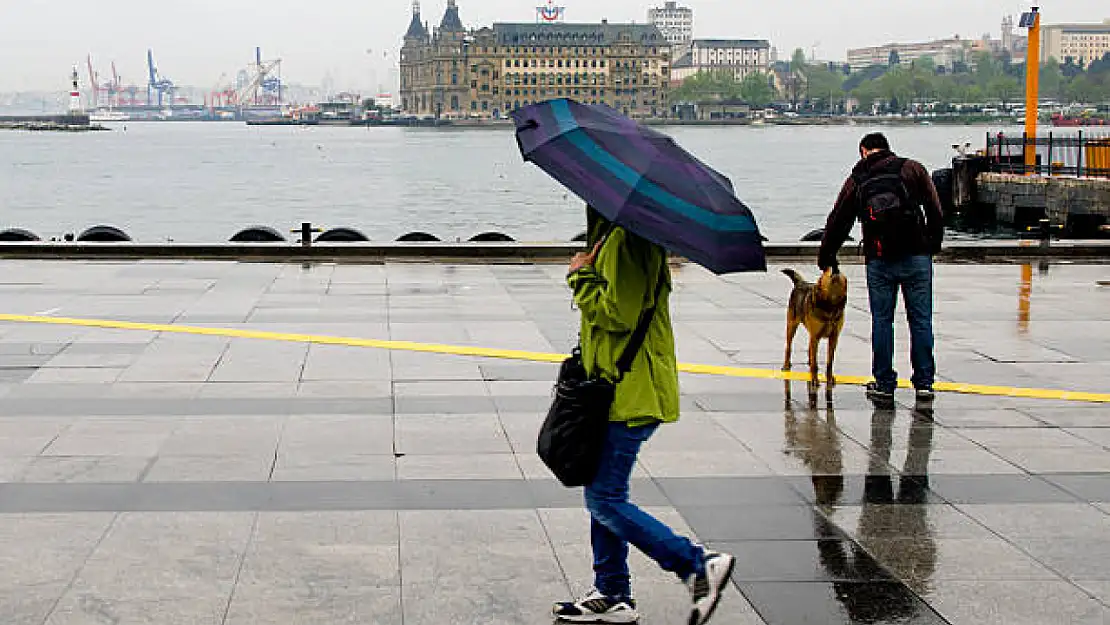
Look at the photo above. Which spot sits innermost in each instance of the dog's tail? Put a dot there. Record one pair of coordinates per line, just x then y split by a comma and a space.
795, 276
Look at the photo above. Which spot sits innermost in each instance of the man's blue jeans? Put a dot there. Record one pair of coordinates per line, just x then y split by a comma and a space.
615, 522
914, 275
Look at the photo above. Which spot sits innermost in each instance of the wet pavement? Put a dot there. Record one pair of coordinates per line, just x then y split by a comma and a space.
160, 478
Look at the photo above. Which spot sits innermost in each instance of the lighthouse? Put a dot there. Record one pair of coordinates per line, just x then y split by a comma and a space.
75, 96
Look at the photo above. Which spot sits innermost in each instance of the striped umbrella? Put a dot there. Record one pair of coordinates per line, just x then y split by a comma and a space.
643, 181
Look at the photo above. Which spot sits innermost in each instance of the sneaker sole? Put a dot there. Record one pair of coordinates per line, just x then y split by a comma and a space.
694, 619
599, 620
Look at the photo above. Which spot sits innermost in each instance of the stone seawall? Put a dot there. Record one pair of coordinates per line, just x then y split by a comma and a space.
1080, 205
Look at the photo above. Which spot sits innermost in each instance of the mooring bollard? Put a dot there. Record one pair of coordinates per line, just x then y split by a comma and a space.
306, 230
1044, 228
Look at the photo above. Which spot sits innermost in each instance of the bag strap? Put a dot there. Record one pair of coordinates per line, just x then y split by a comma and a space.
639, 335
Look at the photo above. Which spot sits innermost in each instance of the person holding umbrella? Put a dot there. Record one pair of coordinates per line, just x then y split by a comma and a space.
646, 196
613, 284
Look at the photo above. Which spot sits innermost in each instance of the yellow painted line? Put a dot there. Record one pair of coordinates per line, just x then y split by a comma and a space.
511, 354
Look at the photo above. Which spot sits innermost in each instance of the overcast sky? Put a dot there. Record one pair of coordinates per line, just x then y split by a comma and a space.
196, 41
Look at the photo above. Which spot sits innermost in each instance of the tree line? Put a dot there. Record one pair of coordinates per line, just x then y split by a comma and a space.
900, 87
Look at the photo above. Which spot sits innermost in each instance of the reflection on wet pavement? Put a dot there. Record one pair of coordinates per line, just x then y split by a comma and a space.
886, 541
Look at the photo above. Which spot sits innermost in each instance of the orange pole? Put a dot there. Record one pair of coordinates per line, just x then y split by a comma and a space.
1032, 90
1025, 296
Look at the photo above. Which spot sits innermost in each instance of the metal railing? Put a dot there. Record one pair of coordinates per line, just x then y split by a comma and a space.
1081, 155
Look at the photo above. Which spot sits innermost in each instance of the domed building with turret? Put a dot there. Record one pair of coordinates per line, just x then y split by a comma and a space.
452, 72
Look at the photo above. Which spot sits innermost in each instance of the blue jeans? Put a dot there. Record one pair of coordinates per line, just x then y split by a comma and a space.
914, 275
615, 522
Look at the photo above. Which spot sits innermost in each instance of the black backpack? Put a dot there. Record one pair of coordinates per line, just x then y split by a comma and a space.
893, 224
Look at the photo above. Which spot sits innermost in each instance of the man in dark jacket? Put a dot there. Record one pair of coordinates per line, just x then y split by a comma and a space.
903, 226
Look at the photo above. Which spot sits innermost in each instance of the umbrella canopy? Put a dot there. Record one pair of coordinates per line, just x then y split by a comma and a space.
643, 181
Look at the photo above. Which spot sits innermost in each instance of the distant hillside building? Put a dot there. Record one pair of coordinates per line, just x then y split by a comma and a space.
487, 72
1083, 43
944, 52
739, 56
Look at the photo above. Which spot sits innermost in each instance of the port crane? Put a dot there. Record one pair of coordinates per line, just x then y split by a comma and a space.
102, 93
158, 83
263, 84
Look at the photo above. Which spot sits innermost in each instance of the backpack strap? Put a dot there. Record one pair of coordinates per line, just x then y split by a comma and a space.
639, 335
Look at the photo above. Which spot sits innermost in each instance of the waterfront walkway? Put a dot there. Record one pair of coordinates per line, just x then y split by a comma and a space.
234, 471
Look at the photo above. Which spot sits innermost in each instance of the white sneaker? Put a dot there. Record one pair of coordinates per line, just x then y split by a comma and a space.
705, 590
595, 607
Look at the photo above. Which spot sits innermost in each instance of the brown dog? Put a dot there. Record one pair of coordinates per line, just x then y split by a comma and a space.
820, 307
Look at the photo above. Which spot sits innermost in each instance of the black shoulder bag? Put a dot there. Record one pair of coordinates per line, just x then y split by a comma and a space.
573, 435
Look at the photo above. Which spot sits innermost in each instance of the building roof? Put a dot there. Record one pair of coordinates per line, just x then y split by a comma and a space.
1090, 27
416, 27
451, 19
602, 34
684, 61
732, 43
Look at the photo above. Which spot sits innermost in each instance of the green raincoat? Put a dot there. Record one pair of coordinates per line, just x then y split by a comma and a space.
611, 296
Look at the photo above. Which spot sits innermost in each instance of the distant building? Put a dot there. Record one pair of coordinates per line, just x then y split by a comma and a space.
487, 72
675, 22
739, 56
1083, 43
944, 52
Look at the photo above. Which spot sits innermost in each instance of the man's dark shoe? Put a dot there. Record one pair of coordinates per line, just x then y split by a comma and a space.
877, 393
926, 393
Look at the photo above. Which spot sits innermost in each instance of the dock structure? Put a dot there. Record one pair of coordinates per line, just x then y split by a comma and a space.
64, 122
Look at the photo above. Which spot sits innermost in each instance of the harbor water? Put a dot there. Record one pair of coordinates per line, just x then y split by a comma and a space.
202, 182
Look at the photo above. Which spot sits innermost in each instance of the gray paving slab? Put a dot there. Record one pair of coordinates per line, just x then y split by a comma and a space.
337, 567
1015, 603
159, 567
446, 556
133, 437
39, 556
83, 469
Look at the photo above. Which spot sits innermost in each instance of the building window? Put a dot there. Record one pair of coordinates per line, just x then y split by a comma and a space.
454, 103
473, 105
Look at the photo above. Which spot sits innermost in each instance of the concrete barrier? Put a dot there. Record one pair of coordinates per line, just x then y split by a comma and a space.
491, 237
13, 235
103, 234
342, 235
418, 237
258, 234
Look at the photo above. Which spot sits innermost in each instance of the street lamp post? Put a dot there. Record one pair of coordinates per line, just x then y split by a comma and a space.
1032, 21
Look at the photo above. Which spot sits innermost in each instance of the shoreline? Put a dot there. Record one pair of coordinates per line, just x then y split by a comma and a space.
508, 124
